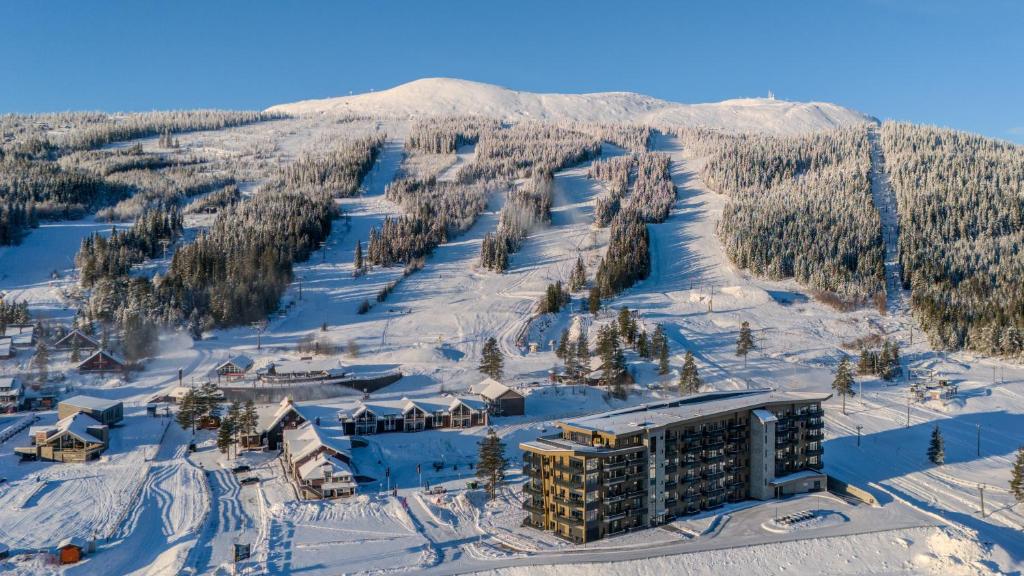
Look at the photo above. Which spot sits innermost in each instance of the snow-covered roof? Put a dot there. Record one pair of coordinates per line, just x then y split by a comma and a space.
331, 366
75, 541
490, 389
76, 333
113, 356
5, 347
269, 419
429, 405
91, 402
308, 438
314, 469
77, 425
241, 361
16, 329
667, 412
8, 382
795, 476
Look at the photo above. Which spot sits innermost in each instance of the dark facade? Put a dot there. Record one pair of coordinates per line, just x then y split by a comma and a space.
378, 419
641, 467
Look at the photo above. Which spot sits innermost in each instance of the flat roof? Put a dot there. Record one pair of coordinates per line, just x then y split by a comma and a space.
91, 402
655, 415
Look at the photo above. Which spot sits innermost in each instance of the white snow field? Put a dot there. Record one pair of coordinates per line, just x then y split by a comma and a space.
449, 96
154, 509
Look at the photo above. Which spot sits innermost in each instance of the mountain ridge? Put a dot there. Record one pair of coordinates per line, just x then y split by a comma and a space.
451, 96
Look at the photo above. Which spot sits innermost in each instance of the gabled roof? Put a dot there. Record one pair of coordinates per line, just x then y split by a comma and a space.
9, 382
115, 357
91, 402
241, 361
77, 425
471, 403
308, 438
79, 334
270, 420
72, 541
491, 389
314, 468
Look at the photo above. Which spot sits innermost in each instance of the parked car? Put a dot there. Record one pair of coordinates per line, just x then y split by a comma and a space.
249, 480
241, 468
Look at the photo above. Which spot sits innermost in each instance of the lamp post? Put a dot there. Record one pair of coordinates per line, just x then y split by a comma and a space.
859, 427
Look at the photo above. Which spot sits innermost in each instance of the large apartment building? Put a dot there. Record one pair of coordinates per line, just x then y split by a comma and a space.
637, 467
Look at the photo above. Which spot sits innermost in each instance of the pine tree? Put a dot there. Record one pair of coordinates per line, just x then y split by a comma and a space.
866, 362
594, 300
563, 345
226, 434
1017, 477
885, 362
578, 278
659, 344
233, 418
744, 342
689, 380
643, 346
188, 410
491, 462
937, 447
41, 361
843, 382
76, 351
491, 361
582, 358
357, 263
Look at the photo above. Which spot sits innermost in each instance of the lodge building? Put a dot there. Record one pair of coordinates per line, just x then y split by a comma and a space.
642, 466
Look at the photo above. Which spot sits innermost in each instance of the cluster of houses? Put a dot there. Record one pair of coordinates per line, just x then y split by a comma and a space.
80, 434
319, 458
14, 337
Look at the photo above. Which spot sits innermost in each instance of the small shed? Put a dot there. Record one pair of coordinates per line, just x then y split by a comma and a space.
76, 338
70, 550
102, 361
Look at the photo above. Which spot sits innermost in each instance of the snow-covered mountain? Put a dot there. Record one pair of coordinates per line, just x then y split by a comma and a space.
446, 96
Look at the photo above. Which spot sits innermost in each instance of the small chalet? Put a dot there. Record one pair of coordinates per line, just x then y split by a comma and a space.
273, 423
405, 415
235, 367
75, 438
70, 550
105, 411
11, 394
319, 461
501, 400
76, 338
6, 348
102, 361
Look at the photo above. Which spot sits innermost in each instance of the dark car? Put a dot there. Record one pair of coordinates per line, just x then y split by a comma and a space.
241, 468
249, 480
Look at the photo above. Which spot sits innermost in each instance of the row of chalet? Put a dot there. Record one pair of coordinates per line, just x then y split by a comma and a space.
81, 433
319, 460
15, 337
405, 415
367, 416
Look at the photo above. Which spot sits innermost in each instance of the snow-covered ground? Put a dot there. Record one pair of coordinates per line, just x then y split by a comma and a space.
155, 510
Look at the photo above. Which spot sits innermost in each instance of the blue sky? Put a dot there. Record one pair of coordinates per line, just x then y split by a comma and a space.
958, 64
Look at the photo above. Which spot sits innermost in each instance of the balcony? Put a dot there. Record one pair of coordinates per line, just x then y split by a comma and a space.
671, 484
814, 451
570, 484
815, 424
815, 434
689, 478
568, 469
691, 434
670, 468
533, 507
573, 520
671, 502
570, 502
615, 516
713, 491
532, 490
733, 481
613, 480
615, 464
714, 474
713, 458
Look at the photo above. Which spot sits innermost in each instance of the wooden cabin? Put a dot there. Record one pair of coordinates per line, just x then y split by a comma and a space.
501, 400
405, 415
70, 550
75, 438
76, 338
102, 362
273, 424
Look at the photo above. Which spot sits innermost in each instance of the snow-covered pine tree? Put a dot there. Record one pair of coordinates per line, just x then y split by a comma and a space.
1017, 477
491, 462
491, 360
937, 447
843, 382
689, 380
744, 342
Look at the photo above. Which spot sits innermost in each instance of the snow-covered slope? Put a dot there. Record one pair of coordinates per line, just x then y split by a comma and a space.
441, 96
